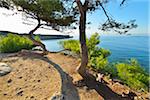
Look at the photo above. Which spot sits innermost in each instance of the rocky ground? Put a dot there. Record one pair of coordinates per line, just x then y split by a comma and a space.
53, 77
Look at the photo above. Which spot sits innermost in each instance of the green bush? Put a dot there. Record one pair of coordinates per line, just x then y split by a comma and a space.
13, 43
37, 38
97, 56
72, 45
133, 74
130, 72
98, 63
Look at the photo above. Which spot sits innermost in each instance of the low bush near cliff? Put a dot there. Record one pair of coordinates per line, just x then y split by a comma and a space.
71, 45
133, 74
13, 43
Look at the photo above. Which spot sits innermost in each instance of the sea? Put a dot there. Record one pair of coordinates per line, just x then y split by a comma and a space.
122, 48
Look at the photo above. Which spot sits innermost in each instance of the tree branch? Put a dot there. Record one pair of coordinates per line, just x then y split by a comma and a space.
38, 26
80, 7
122, 2
85, 6
117, 27
105, 12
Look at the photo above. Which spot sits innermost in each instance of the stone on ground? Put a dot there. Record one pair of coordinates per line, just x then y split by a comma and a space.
5, 69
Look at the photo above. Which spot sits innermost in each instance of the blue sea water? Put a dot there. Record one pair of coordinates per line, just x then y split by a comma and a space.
122, 47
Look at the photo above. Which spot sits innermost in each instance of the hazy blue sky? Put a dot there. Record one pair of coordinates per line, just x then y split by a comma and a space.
133, 9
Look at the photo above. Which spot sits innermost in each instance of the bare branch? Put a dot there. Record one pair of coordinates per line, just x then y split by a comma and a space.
117, 27
122, 2
105, 12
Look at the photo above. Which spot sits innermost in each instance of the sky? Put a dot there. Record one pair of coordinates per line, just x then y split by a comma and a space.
132, 9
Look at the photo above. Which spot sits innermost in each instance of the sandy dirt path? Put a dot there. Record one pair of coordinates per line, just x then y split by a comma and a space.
30, 79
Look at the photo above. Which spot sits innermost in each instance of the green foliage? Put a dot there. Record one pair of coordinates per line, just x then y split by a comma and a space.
72, 45
92, 42
111, 70
97, 56
14, 43
40, 7
133, 74
37, 38
50, 11
98, 63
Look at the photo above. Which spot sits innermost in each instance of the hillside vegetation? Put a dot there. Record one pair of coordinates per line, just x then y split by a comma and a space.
130, 72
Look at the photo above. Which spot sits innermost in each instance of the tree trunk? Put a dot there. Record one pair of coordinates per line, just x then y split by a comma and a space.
37, 43
84, 50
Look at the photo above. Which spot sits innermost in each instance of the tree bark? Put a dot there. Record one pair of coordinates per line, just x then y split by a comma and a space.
37, 43
82, 37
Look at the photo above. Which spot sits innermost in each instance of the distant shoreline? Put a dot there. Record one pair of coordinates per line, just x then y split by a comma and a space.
42, 36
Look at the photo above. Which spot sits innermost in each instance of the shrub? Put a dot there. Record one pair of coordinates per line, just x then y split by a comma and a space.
111, 70
92, 42
71, 45
13, 43
133, 74
98, 63
37, 38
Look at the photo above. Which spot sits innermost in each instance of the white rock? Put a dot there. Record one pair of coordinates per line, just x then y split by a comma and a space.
4, 69
37, 48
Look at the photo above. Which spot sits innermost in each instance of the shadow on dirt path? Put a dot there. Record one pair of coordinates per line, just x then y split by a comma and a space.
101, 88
68, 89
70, 92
